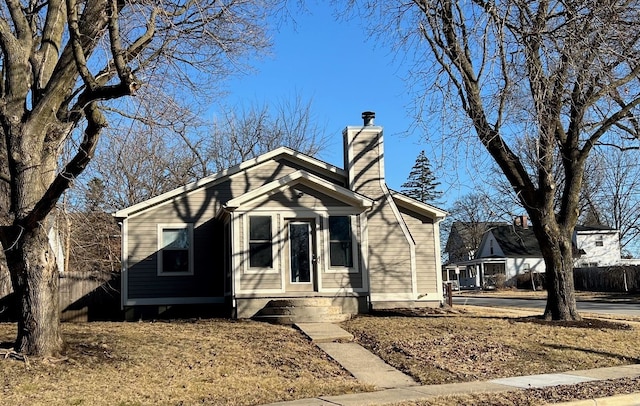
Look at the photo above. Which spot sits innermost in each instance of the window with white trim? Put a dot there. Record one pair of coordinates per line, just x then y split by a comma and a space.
599, 241
175, 249
340, 242
260, 242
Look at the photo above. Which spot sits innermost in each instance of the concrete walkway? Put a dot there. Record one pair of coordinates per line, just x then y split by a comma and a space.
397, 387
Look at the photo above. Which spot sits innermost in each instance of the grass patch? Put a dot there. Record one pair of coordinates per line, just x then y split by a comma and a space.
204, 362
466, 347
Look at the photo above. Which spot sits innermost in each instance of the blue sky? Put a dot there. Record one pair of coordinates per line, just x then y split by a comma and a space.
343, 72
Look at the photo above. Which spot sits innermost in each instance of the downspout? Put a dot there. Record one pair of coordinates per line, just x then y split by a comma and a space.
232, 265
438, 259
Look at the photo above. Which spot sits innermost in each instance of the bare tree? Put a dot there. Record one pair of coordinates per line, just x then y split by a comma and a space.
470, 217
564, 74
141, 160
63, 63
241, 133
93, 242
140, 163
612, 194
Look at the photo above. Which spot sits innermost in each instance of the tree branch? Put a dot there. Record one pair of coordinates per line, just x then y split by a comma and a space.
76, 44
45, 59
20, 21
618, 147
490, 138
7, 39
124, 72
95, 123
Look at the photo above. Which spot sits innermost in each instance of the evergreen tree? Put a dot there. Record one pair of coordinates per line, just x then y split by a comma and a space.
421, 183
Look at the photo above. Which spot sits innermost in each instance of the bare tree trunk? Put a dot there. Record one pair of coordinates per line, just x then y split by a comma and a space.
557, 250
34, 276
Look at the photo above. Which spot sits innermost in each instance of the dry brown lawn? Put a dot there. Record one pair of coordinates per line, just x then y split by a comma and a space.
248, 363
475, 346
537, 397
213, 362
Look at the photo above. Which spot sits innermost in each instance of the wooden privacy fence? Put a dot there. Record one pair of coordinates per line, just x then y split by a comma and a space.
608, 279
87, 296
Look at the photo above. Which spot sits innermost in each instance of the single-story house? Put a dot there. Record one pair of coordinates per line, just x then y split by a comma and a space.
283, 228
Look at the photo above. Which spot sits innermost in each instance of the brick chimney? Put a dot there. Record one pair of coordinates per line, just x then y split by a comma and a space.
521, 221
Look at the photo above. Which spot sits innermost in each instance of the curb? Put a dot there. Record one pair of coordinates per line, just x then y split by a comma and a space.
632, 399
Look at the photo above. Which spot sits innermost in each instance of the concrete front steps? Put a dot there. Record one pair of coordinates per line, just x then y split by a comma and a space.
301, 310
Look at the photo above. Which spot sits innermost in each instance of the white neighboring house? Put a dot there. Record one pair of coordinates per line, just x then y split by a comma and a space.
597, 245
507, 251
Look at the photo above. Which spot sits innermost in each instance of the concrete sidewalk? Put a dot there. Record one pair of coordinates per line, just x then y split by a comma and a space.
397, 387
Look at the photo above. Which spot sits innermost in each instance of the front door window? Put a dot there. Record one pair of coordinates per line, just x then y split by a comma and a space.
300, 252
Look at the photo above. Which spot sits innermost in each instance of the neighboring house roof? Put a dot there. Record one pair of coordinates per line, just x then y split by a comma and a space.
320, 166
516, 241
470, 233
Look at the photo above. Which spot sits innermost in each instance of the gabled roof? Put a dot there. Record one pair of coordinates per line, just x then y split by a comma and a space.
516, 241
297, 177
470, 232
418, 206
305, 160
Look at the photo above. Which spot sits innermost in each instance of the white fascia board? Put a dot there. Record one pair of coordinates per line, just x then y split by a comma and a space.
407, 201
294, 178
596, 232
224, 174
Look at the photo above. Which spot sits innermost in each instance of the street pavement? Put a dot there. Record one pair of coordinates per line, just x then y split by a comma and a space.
597, 307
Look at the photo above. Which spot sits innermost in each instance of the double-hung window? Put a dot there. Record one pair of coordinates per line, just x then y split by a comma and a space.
260, 242
175, 249
599, 241
340, 242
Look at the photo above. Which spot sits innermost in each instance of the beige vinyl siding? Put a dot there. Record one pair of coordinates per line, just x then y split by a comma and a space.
366, 168
256, 280
197, 208
260, 175
301, 196
422, 229
143, 279
389, 253
341, 280
260, 281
